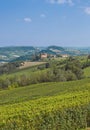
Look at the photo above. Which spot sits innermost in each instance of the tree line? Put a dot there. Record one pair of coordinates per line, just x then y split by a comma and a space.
67, 70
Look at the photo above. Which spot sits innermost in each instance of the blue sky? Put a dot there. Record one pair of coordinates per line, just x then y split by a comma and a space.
45, 22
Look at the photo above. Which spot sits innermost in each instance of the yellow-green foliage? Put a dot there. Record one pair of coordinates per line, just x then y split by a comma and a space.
47, 106
87, 72
64, 112
35, 91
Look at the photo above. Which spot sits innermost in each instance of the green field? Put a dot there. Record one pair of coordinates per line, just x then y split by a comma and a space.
46, 106
46, 113
23, 106
18, 72
42, 90
87, 72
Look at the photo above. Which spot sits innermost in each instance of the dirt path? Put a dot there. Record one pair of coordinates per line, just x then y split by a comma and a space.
29, 64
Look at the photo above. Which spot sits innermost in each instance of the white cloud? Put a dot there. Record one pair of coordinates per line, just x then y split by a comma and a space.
87, 10
61, 2
43, 16
27, 19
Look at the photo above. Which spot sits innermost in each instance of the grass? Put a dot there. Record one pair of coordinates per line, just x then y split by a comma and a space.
24, 71
36, 91
87, 72
18, 114
19, 105
19, 97
31, 64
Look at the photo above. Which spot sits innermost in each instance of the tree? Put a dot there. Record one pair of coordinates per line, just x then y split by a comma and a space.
75, 66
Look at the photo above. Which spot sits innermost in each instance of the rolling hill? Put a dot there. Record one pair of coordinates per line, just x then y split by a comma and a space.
44, 106
23, 53
55, 105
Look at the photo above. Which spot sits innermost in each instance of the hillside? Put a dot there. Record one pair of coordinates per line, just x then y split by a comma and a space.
38, 72
56, 49
87, 72
22, 107
33, 92
33, 98
9, 53
24, 53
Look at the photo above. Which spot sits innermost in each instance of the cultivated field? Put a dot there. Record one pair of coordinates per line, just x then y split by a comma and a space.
45, 106
30, 64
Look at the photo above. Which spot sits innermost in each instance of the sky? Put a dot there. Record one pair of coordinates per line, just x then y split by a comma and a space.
45, 22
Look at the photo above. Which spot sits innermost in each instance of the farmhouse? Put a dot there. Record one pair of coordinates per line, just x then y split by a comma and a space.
65, 56
44, 55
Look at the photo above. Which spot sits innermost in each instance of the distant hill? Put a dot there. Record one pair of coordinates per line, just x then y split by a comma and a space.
22, 49
22, 58
23, 53
52, 50
55, 48
48, 51
10, 53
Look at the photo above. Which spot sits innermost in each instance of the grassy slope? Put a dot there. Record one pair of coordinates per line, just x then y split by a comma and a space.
17, 101
26, 71
31, 64
87, 72
32, 92
42, 90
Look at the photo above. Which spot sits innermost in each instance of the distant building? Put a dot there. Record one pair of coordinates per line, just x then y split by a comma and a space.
44, 55
64, 55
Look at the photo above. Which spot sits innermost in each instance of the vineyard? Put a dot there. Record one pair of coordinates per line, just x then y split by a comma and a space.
33, 99
47, 106
44, 65
67, 111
